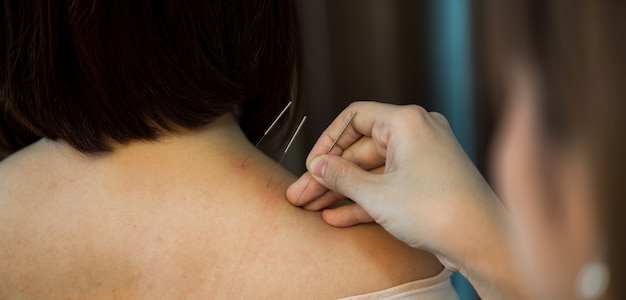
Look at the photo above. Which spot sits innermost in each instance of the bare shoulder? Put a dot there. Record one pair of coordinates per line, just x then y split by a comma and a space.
338, 262
204, 236
15, 172
22, 166
27, 177
396, 261
362, 259
23, 175
8, 169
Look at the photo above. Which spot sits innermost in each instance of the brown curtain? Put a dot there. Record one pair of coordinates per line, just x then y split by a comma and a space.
359, 50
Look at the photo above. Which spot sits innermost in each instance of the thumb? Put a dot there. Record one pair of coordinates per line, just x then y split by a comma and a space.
341, 175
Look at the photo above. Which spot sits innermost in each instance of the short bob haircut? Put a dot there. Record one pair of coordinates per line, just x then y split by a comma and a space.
99, 73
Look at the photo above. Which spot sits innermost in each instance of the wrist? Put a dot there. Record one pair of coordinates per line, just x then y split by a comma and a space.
481, 250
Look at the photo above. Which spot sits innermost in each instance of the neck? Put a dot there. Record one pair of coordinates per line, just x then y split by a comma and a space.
217, 157
219, 137
220, 144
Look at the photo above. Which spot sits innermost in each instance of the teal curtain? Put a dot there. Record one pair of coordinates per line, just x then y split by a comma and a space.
450, 38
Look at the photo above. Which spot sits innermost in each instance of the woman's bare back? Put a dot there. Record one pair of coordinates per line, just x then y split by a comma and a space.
161, 220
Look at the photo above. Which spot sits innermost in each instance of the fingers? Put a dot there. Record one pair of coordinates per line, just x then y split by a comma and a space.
368, 114
342, 176
327, 197
363, 145
304, 190
326, 200
365, 154
372, 119
312, 195
347, 215
328, 137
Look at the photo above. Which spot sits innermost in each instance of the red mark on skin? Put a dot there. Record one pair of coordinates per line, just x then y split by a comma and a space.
271, 195
243, 164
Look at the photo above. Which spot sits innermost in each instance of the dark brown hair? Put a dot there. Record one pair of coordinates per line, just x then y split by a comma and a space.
96, 72
577, 49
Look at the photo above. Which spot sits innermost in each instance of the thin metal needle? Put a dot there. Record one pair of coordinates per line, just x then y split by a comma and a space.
341, 132
293, 137
268, 129
273, 123
329, 149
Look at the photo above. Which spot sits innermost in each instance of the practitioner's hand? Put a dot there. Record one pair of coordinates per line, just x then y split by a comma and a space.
405, 170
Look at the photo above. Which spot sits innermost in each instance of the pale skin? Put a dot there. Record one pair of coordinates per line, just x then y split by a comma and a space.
180, 218
405, 170
420, 207
551, 247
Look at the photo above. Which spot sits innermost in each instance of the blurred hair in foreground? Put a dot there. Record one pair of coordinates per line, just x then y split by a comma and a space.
575, 49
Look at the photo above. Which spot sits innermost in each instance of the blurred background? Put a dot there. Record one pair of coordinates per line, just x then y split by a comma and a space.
394, 51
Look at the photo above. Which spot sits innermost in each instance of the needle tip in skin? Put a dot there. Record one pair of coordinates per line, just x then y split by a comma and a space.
288, 145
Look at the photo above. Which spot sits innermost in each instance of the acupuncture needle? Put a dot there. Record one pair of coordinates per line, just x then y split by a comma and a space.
293, 137
329, 149
269, 129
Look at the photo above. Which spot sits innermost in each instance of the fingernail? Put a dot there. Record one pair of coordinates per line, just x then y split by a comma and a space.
317, 167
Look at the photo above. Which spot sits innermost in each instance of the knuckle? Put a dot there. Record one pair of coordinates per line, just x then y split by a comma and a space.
329, 136
354, 105
363, 105
440, 119
338, 176
413, 112
416, 113
348, 154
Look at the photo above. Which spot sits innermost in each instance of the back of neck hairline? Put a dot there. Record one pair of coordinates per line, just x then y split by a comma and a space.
218, 134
